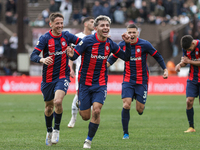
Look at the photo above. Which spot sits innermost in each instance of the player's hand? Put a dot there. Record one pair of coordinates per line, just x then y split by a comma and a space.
165, 74
72, 74
47, 61
70, 51
178, 67
185, 60
126, 37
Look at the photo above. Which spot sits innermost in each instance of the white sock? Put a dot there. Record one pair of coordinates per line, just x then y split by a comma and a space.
74, 108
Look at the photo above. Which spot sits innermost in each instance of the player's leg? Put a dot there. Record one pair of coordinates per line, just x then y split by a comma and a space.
60, 91
127, 96
48, 94
48, 119
141, 96
74, 112
125, 114
98, 98
192, 91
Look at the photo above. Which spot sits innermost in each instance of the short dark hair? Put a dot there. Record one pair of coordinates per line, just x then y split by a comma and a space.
87, 19
132, 26
186, 41
53, 16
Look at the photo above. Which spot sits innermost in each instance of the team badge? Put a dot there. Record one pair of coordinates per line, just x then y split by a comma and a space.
107, 48
63, 43
80, 43
38, 42
138, 50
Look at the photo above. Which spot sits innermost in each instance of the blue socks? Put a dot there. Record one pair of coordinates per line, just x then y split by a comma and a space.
190, 114
49, 122
125, 119
92, 130
57, 120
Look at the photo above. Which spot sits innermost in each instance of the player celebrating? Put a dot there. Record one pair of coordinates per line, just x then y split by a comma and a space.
191, 55
88, 23
55, 76
136, 75
94, 50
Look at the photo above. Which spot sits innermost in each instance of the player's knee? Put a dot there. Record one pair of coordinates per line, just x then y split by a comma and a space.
126, 106
48, 110
58, 102
85, 117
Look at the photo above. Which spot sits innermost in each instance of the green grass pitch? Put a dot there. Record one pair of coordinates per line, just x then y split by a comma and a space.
161, 126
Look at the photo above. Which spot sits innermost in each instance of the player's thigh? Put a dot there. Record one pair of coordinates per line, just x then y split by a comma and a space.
141, 92
62, 84
128, 90
99, 94
84, 97
192, 89
48, 90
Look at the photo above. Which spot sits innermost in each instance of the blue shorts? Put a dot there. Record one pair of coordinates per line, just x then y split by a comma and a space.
135, 91
192, 89
49, 89
87, 95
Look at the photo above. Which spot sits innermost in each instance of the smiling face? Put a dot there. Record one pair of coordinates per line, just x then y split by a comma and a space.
102, 29
133, 32
57, 26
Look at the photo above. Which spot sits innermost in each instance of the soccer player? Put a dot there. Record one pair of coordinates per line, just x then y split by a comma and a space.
136, 74
94, 50
55, 76
88, 23
191, 55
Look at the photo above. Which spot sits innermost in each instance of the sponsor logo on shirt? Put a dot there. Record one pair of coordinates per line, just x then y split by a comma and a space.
135, 58
99, 57
57, 53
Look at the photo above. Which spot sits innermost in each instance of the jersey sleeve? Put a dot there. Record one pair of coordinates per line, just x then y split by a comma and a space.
119, 52
40, 46
72, 38
80, 48
184, 52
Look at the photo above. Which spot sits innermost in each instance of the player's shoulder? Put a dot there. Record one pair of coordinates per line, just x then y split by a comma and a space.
122, 43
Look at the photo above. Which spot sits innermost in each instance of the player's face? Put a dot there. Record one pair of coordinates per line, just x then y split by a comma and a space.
90, 24
103, 29
192, 47
133, 32
57, 26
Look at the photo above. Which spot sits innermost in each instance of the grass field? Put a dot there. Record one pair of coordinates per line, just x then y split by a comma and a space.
161, 126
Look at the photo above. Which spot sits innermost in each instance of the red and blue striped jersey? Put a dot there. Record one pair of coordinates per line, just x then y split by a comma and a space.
55, 47
94, 54
136, 70
194, 73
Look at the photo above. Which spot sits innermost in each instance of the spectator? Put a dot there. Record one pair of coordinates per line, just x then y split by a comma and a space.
14, 45
45, 15
174, 42
113, 7
33, 3
76, 19
53, 6
96, 9
119, 15
66, 10
152, 6
171, 67
143, 11
39, 21
106, 9
10, 11
159, 9
184, 19
138, 4
58, 4
169, 7
132, 12
84, 13
6, 49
